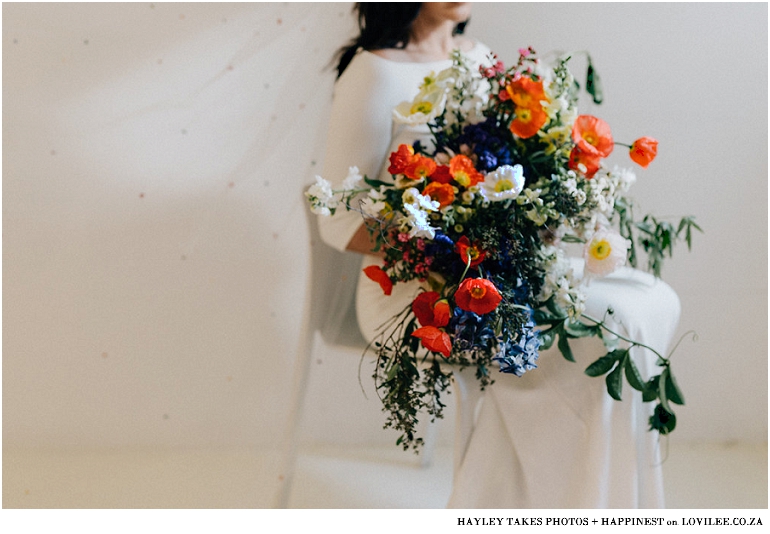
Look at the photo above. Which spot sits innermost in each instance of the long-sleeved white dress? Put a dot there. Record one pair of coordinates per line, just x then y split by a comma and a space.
552, 438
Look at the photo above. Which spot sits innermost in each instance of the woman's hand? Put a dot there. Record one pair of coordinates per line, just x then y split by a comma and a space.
364, 243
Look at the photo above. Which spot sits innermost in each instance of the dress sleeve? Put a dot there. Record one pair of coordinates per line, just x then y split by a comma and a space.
359, 136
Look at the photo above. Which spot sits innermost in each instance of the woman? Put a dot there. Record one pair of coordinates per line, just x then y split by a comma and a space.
549, 439
400, 43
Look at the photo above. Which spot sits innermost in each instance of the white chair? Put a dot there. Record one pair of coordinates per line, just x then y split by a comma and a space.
332, 314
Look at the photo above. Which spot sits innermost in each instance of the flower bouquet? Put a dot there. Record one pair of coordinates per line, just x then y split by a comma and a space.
480, 215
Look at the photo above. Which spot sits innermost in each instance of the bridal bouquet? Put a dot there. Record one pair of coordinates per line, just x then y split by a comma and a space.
480, 216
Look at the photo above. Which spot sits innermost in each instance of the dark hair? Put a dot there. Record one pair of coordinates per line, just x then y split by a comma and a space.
382, 25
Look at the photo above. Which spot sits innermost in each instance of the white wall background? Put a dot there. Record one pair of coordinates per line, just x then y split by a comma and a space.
154, 243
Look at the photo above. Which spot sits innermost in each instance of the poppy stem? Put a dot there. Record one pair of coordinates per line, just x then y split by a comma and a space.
467, 265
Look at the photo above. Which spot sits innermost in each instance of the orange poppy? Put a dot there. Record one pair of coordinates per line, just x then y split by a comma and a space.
434, 339
589, 162
464, 173
526, 92
420, 168
444, 194
477, 295
592, 136
373, 272
644, 150
528, 121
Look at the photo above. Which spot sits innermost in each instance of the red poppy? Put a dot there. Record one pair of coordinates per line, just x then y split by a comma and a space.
477, 295
434, 339
430, 309
441, 175
401, 158
465, 249
528, 121
444, 194
464, 173
420, 168
373, 272
592, 136
589, 162
644, 150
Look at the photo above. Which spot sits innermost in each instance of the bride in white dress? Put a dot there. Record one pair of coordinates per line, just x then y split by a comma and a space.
552, 438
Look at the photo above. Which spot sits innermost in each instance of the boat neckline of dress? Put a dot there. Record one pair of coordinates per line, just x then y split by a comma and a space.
433, 61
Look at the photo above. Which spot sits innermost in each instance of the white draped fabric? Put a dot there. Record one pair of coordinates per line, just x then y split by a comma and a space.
554, 438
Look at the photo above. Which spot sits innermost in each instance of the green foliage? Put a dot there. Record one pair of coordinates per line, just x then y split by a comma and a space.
656, 237
616, 364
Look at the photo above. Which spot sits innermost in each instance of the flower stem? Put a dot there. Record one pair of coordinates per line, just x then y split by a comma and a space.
603, 325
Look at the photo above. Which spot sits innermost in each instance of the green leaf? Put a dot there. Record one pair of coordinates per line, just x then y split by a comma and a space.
544, 317
392, 371
563, 345
673, 393
546, 338
376, 183
601, 366
594, 83
662, 390
614, 382
578, 329
632, 374
650, 392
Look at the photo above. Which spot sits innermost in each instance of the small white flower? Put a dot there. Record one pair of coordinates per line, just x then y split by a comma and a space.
322, 199
626, 178
353, 179
373, 208
412, 197
417, 220
503, 183
605, 252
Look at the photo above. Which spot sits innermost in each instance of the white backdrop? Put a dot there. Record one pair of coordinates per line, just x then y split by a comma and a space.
154, 243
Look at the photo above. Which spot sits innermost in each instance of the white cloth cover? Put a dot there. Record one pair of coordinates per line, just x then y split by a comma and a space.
553, 438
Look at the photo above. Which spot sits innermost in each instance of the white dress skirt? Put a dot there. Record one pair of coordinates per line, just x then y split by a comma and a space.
553, 438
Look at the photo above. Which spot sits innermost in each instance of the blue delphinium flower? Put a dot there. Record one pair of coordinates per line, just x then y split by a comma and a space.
439, 244
492, 151
487, 160
520, 356
471, 331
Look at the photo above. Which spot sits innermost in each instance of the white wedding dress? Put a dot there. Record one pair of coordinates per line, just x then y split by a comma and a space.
552, 438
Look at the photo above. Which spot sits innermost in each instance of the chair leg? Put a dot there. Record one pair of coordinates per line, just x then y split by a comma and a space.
429, 445
291, 433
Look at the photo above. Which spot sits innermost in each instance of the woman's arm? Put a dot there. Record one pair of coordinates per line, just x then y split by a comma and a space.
359, 135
